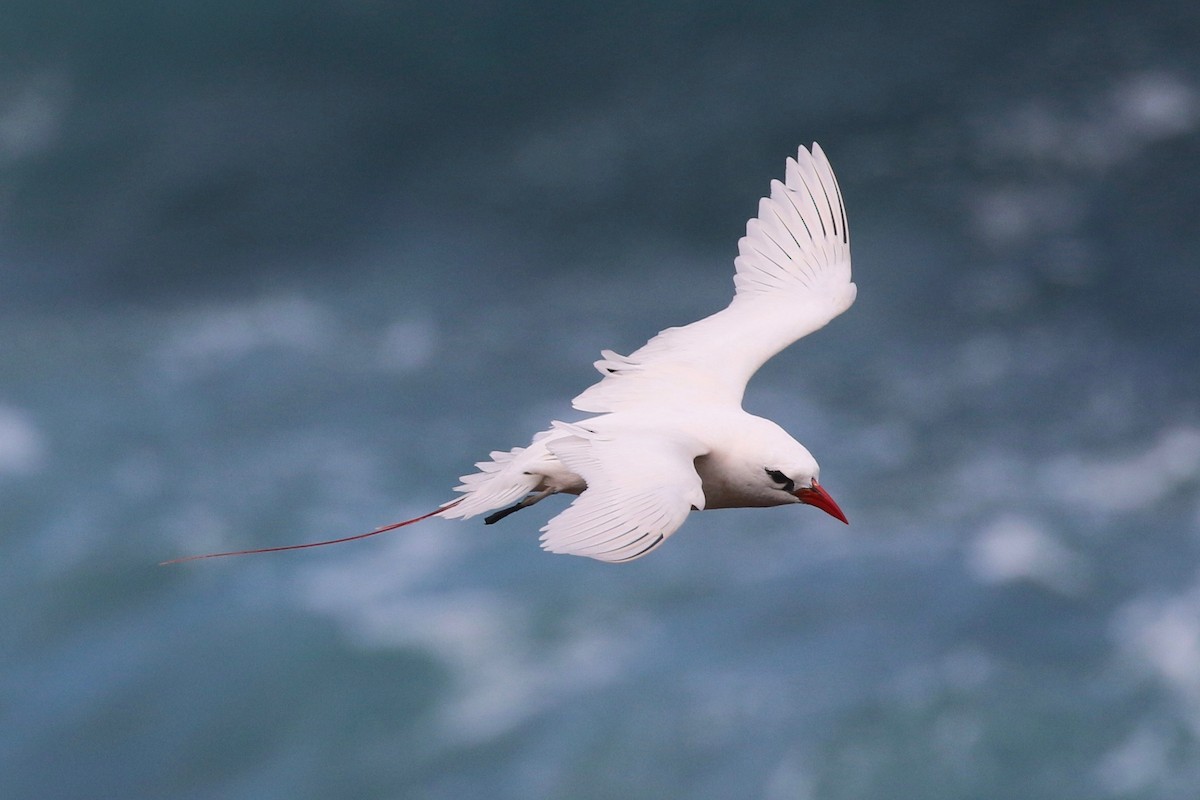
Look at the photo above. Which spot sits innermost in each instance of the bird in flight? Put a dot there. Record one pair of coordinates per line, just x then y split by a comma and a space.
668, 434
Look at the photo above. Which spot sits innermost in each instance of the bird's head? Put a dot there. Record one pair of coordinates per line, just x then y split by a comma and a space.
764, 466
791, 474
802, 485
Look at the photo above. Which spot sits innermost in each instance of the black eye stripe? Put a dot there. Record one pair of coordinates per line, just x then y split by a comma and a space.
788, 484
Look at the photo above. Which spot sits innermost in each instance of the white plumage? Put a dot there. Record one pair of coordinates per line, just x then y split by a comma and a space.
670, 434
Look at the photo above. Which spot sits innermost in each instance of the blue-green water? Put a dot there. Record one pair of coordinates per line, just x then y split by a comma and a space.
271, 274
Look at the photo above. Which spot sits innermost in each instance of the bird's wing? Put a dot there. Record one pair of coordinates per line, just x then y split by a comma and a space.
792, 277
640, 488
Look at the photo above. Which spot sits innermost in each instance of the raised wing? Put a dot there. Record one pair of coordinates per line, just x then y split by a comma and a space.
640, 490
792, 277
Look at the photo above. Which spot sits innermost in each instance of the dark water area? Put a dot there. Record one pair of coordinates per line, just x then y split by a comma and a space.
274, 273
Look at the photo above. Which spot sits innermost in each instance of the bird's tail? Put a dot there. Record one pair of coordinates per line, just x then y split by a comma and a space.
384, 529
502, 481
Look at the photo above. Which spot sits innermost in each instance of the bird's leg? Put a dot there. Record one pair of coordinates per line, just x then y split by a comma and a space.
528, 500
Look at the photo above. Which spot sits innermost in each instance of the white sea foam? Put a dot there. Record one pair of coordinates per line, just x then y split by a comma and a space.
1101, 132
1155, 105
1159, 637
1015, 548
504, 674
1111, 126
1132, 480
408, 344
1135, 764
22, 444
1163, 635
1010, 214
31, 115
211, 337
791, 779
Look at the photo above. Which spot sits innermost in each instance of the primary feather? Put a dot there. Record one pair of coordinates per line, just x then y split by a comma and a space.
792, 277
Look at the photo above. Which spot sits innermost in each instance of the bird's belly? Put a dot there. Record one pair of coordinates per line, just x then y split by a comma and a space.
731, 497
557, 478
720, 492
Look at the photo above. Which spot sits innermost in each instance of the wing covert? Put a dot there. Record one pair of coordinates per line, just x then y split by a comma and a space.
640, 490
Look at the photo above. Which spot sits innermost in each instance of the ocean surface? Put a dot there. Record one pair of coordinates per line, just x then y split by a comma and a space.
275, 272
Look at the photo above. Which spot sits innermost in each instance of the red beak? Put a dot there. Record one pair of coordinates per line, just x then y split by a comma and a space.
817, 496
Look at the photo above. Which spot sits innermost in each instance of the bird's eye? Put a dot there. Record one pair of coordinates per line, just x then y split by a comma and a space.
784, 481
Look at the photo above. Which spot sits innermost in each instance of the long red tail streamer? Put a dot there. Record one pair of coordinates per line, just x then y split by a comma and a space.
384, 529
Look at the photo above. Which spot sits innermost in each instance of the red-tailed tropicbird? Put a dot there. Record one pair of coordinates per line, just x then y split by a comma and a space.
669, 435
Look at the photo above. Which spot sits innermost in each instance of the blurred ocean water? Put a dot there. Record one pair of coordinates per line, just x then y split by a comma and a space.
270, 274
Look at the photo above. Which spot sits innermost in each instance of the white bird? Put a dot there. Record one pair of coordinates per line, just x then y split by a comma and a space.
669, 434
